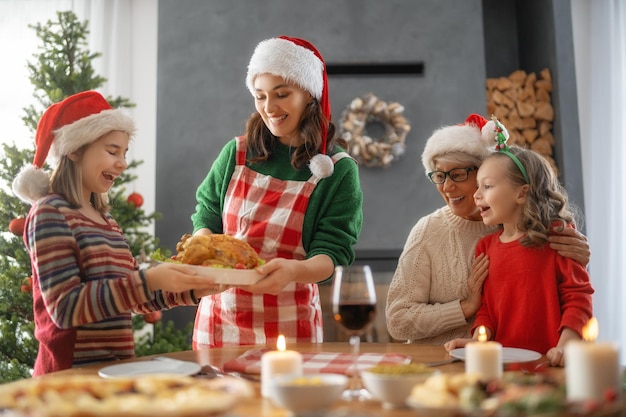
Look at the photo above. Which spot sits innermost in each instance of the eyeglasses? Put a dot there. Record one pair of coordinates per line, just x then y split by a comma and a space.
456, 175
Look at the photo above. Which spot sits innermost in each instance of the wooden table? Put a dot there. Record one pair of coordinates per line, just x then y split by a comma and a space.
259, 407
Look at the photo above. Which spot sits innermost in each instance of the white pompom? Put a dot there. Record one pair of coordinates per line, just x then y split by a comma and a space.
31, 184
488, 132
322, 166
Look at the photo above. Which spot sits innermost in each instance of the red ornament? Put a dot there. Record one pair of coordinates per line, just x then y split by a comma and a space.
16, 226
136, 199
27, 285
610, 395
152, 317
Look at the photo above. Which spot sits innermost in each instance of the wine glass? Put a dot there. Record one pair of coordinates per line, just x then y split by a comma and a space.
354, 309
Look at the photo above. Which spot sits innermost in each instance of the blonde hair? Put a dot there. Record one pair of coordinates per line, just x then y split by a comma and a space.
67, 180
546, 200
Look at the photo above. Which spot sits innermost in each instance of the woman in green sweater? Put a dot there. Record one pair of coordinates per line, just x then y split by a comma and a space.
289, 190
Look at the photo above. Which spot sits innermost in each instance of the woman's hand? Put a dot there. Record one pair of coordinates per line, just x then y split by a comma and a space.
571, 244
278, 273
480, 268
456, 343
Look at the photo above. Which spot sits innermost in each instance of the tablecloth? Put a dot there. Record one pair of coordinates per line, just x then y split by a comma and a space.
317, 362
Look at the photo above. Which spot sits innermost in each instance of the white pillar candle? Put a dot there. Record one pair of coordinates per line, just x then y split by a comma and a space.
592, 369
279, 362
484, 357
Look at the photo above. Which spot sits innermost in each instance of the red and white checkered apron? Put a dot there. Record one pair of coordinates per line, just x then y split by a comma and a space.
268, 213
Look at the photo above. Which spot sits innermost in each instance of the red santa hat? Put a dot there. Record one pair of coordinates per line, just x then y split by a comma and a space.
64, 128
298, 62
475, 137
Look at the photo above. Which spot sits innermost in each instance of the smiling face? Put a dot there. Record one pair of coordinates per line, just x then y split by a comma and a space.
499, 200
102, 162
458, 195
281, 106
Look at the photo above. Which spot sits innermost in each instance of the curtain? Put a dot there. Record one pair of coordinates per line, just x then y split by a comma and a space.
125, 33
600, 56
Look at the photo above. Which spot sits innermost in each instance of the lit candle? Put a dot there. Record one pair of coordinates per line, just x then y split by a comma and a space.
484, 357
279, 362
592, 369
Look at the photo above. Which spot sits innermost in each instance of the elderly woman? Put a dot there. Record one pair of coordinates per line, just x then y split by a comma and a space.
436, 288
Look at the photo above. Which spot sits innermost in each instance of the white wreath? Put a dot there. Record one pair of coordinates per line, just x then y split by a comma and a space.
374, 152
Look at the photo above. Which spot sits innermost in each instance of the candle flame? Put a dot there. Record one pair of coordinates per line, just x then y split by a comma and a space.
482, 334
590, 330
281, 344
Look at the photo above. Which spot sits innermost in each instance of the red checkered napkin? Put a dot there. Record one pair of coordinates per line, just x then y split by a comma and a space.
317, 362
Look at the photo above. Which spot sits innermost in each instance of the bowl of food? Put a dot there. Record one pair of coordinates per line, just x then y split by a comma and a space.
307, 394
392, 384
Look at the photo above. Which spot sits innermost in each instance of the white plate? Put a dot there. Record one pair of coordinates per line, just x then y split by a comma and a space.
230, 276
509, 355
176, 367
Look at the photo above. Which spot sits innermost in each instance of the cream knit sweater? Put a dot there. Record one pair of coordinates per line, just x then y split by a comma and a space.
423, 302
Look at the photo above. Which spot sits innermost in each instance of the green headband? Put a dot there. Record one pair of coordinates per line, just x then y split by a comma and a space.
502, 135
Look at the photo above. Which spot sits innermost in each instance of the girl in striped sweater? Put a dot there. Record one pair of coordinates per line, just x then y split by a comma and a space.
86, 281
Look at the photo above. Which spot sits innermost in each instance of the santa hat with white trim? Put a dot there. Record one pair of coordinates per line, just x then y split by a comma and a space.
476, 137
298, 62
64, 128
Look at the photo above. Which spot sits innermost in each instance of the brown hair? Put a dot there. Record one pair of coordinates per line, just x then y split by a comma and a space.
261, 142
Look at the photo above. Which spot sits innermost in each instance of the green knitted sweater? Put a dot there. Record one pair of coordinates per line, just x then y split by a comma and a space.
333, 219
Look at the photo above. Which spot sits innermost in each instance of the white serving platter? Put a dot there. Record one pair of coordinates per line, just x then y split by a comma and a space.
230, 276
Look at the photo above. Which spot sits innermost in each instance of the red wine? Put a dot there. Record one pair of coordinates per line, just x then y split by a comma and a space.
355, 317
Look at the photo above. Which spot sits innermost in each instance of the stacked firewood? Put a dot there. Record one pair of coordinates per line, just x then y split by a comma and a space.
523, 104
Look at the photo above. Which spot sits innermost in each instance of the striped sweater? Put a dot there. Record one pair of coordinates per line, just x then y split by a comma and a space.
85, 285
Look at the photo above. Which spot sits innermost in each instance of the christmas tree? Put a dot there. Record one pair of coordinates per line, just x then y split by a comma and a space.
63, 67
